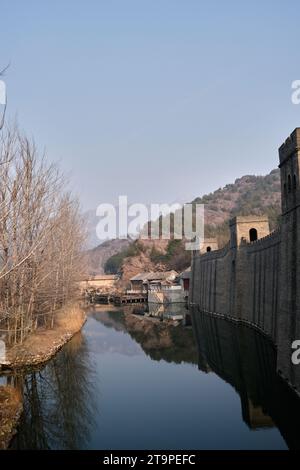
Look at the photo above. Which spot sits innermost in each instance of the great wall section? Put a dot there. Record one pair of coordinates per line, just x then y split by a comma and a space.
255, 278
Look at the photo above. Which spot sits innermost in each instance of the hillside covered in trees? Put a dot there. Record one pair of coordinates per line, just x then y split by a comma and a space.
248, 195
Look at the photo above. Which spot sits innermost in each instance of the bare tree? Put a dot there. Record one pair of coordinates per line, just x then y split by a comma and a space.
41, 238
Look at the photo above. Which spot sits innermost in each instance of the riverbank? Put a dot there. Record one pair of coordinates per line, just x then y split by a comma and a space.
41, 345
37, 349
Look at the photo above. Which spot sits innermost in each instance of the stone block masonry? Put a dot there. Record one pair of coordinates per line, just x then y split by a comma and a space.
256, 277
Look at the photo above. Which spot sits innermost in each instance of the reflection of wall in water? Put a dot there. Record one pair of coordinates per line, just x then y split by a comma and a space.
246, 359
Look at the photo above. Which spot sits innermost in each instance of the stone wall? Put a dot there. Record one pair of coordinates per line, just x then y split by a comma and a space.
257, 295
259, 281
210, 283
240, 281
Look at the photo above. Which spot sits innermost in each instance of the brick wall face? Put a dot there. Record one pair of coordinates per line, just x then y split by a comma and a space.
241, 282
259, 281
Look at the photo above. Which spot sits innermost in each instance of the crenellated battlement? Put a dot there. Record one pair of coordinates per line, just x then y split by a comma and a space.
290, 146
264, 242
215, 254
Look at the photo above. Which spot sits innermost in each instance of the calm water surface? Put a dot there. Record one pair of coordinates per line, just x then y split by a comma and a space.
122, 385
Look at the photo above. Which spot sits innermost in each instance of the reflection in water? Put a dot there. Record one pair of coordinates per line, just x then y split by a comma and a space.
131, 381
246, 359
163, 340
58, 402
167, 311
158, 339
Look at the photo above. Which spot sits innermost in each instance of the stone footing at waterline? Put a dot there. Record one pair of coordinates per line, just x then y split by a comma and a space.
43, 344
10, 411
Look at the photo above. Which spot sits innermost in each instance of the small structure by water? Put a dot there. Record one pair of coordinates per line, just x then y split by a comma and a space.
142, 281
165, 293
100, 281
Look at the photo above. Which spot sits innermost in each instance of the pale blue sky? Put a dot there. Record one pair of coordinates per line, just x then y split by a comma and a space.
160, 100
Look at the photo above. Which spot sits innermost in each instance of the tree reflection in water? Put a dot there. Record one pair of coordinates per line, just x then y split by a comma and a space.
58, 401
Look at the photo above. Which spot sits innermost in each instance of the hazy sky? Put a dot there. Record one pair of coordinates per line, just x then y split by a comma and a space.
161, 100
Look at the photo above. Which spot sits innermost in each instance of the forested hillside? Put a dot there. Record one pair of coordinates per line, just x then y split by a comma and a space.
248, 195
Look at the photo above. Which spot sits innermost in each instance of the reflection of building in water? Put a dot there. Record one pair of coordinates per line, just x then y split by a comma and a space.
255, 417
163, 339
246, 359
166, 311
155, 310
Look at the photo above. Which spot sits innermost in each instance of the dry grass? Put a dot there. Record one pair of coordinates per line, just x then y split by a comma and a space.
41, 345
70, 317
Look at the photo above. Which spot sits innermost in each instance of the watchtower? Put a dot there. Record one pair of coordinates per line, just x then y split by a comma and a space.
289, 295
247, 229
208, 244
289, 155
